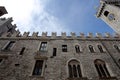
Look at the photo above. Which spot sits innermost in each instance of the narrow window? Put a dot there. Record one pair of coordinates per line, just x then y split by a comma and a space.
91, 49
43, 46
74, 69
54, 51
101, 68
77, 49
1, 60
106, 70
9, 45
70, 71
22, 50
117, 48
106, 13
17, 65
79, 71
119, 61
64, 48
38, 67
98, 70
100, 48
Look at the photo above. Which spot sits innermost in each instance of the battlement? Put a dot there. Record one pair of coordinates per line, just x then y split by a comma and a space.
63, 35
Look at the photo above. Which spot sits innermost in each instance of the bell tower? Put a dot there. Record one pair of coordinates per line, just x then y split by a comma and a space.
109, 12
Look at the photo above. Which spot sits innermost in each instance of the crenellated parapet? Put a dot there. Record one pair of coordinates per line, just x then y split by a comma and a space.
115, 2
62, 36
35, 34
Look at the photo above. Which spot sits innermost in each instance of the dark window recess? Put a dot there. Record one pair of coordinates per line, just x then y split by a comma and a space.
9, 45
77, 49
91, 49
1, 13
106, 13
43, 46
101, 69
9, 29
64, 48
74, 69
79, 71
70, 71
117, 48
1, 60
100, 48
17, 65
38, 67
119, 61
54, 51
22, 50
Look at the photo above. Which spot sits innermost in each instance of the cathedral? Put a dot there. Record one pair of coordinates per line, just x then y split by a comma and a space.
75, 57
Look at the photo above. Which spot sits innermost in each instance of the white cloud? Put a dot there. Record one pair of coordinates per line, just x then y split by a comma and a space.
29, 15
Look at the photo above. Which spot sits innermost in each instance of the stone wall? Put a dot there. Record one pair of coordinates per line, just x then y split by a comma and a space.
20, 67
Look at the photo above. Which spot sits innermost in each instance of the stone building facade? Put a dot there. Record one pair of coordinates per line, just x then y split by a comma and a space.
24, 57
75, 57
109, 12
5, 24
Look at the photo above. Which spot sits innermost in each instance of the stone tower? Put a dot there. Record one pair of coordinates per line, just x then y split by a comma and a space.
109, 12
5, 23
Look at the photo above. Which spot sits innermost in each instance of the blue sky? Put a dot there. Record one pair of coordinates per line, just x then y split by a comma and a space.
56, 16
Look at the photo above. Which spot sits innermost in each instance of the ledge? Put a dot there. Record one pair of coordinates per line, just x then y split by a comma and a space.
37, 76
82, 78
108, 78
40, 55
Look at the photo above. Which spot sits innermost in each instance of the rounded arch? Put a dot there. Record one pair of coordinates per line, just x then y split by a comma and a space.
77, 48
99, 61
101, 68
100, 48
73, 59
91, 48
74, 70
73, 62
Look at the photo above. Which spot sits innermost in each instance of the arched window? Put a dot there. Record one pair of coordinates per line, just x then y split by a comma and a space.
106, 13
101, 68
91, 49
74, 69
117, 48
100, 48
77, 49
